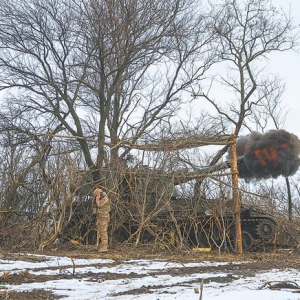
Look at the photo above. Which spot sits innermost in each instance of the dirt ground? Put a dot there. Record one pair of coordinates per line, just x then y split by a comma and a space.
257, 261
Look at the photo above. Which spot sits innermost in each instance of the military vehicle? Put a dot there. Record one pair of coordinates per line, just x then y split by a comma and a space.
147, 210
257, 227
204, 225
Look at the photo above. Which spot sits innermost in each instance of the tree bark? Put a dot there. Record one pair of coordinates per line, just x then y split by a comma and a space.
236, 198
290, 203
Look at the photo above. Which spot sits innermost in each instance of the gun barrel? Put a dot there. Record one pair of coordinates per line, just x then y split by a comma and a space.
183, 178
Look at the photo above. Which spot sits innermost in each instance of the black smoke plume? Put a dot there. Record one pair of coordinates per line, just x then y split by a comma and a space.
268, 155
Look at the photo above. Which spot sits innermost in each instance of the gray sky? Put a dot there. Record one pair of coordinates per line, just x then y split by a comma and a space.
287, 66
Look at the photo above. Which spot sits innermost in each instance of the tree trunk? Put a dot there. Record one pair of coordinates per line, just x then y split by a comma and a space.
290, 204
236, 198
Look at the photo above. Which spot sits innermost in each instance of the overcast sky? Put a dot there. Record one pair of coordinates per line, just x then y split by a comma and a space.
287, 66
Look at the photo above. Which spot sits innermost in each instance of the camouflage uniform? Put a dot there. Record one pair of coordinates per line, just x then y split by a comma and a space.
103, 217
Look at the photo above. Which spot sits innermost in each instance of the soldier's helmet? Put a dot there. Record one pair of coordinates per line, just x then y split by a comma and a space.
97, 191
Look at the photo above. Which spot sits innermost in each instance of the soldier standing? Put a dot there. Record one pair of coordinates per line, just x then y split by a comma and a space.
103, 217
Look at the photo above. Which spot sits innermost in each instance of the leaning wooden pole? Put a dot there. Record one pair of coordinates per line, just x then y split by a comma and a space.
236, 198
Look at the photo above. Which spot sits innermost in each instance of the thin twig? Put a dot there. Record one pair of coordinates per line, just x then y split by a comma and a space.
201, 289
73, 262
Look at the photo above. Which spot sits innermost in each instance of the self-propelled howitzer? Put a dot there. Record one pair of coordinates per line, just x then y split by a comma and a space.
210, 223
147, 208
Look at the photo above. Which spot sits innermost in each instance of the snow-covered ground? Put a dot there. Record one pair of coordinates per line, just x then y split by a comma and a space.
146, 279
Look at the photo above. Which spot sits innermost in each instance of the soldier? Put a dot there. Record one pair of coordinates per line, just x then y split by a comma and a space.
103, 217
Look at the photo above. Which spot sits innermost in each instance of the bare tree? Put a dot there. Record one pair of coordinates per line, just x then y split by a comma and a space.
102, 70
247, 31
104, 73
113, 75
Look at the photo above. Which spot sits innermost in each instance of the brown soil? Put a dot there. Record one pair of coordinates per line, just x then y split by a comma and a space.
257, 261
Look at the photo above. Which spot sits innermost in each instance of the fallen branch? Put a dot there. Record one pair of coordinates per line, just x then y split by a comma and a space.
278, 285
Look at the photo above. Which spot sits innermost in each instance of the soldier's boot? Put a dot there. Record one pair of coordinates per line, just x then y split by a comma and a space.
103, 247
